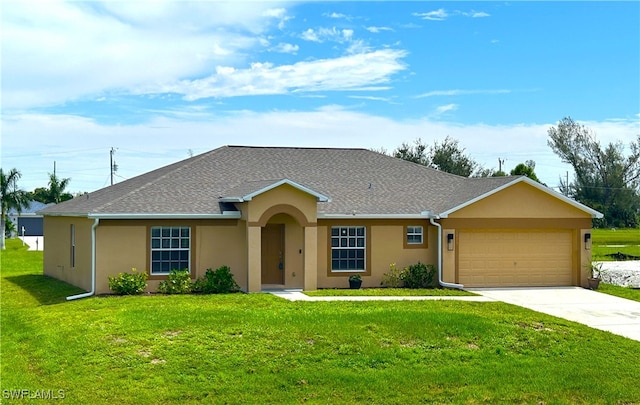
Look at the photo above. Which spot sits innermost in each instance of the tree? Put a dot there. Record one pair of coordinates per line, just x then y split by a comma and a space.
526, 169
604, 178
446, 156
54, 193
449, 157
11, 197
56, 189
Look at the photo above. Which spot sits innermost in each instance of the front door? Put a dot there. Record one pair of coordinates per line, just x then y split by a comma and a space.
273, 254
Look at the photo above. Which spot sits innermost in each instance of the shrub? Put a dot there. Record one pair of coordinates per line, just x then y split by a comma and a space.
419, 275
219, 281
128, 283
392, 278
178, 282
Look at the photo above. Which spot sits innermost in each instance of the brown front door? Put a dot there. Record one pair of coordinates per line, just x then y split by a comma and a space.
273, 254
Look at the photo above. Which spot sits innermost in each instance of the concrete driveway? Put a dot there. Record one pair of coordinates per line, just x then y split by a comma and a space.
591, 308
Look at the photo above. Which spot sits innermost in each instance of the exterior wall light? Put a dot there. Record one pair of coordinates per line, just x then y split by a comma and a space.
587, 241
449, 241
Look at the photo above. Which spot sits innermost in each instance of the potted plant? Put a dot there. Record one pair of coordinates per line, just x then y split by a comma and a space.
596, 275
355, 281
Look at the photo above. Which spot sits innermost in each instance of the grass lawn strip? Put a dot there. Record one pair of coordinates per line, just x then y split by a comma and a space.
622, 292
609, 241
373, 292
257, 348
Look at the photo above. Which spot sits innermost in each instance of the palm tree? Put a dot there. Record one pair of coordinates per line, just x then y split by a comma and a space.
11, 196
56, 189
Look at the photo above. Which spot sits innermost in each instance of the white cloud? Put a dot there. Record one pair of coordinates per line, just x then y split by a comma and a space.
57, 51
31, 142
460, 92
441, 14
327, 34
435, 15
286, 48
354, 71
475, 14
445, 108
376, 30
337, 15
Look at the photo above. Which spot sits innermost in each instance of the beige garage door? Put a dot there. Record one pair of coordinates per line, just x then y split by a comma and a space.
502, 259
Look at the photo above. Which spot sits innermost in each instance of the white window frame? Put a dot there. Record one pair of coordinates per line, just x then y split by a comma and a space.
168, 245
414, 231
349, 246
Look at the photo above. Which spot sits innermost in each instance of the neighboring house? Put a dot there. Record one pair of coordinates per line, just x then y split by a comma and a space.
310, 217
29, 218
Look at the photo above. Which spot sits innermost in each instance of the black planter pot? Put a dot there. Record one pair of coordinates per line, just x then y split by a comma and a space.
355, 284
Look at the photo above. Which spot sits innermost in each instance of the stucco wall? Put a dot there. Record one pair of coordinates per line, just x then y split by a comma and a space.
386, 246
57, 255
125, 244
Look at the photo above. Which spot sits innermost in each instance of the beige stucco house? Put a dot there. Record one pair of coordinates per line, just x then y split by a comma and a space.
310, 217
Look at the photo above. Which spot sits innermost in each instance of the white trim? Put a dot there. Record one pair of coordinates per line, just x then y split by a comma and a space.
553, 193
322, 215
249, 197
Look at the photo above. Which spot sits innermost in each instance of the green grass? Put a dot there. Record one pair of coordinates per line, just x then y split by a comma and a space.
623, 292
258, 348
626, 241
373, 292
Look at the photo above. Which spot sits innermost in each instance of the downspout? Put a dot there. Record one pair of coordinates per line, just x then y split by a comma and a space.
442, 283
93, 265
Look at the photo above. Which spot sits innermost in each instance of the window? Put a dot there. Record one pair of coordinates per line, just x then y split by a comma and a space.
72, 243
170, 248
414, 235
348, 248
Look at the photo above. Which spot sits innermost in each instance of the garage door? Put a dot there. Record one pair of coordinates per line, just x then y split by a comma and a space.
503, 259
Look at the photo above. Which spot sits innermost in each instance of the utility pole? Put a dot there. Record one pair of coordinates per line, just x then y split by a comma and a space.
500, 163
54, 168
113, 166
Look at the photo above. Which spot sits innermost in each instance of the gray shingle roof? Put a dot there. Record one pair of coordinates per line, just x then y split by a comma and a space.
356, 180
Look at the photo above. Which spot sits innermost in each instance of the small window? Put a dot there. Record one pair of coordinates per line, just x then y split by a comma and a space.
170, 249
72, 243
414, 235
348, 246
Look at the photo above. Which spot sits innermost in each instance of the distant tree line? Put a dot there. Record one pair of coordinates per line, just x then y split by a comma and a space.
605, 179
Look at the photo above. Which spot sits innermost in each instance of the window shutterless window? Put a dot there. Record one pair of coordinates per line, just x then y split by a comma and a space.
414, 235
348, 248
170, 248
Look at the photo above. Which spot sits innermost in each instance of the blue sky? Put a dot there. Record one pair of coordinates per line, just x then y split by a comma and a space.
162, 80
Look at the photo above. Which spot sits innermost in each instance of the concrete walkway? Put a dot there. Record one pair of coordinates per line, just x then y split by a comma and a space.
34, 242
597, 310
297, 295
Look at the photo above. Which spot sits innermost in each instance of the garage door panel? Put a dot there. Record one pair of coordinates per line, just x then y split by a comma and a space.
500, 259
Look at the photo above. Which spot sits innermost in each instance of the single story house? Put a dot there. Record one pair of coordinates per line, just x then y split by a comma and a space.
310, 217
29, 218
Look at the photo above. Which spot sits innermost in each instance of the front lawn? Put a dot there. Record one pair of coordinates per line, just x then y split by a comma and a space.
624, 292
611, 241
257, 348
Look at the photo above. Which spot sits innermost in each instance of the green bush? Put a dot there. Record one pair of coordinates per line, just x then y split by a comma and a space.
392, 278
178, 282
219, 281
128, 283
419, 275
